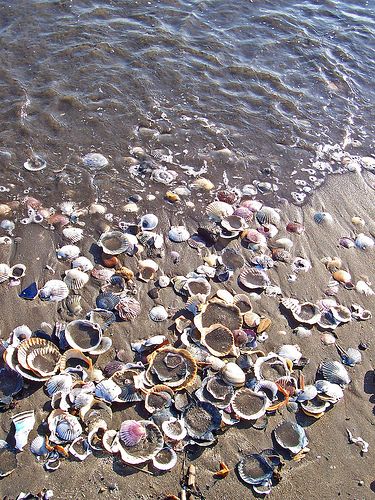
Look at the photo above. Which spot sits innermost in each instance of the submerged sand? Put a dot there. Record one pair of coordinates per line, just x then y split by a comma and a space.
332, 468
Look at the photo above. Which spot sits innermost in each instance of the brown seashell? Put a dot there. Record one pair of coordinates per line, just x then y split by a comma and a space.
178, 379
218, 339
342, 276
58, 220
295, 227
172, 197
227, 196
251, 319
26, 347
109, 260
281, 255
263, 325
125, 273
4, 209
217, 311
158, 398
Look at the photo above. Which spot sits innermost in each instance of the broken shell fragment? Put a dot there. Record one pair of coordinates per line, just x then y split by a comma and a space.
23, 423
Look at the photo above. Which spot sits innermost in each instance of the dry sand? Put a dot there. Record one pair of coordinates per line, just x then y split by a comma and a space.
332, 468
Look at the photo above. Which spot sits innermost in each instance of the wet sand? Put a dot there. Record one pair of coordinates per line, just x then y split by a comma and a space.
332, 468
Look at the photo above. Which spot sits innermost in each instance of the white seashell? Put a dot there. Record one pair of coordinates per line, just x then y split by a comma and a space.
17, 271
59, 383
73, 304
38, 446
64, 427
75, 279
174, 429
72, 234
218, 210
95, 160
147, 269
363, 242
107, 390
54, 291
364, 288
292, 352
334, 372
332, 392
85, 448
24, 423
233, 374
82, 263
308, 393
245, 395
67, 207
164, 281
285, 243
268, 215
4, 272
35, 164
96, 208
116, 242
131, 208
68, 252
158, 313
149, 222
19, 334
178, 234
165, 459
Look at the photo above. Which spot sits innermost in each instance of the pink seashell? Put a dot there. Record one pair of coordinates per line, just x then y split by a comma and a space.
253, 205
245, 213
58, 219
31, 202
255, 237
131, 432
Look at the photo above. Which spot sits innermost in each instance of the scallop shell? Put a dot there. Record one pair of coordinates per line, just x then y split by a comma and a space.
146, 448
115, 242
147, 269
252, 278
68, 252
308, 313
363, 242
202, 183
201, 419
63, 426
363, 287
342, 276
44, 362
314, 407
20, 333
26, 347
73, 304
59, 383
290, 436
323, 218
341, 313
175, 368
216, 391
334, 372
218, 210
80, 449
83, 335
232, 259
243, 303
130, 208
254, 469
128, 308
268, 215
329, 391
148, 222
72, 234
38, 446
218, 339
11, 383
178, 234
234, 223
128, 381
233, 374
95, 160
108, 301
174, 429
35, 164
271, 367
132, 432
107, 390
292, 352
217, 311
249, 405
164, 281
158, 313
17, 271
165, 459
198, 286
75, 279
23, 423
4, 272
158, 398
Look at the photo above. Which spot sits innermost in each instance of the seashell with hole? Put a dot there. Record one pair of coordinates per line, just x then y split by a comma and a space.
300, 265
291, 436
174, 429
363, 242
159, 398
148, 222
82, 263
255, 470
4, 272
267, 215
323, 218
139, 441
68, 252
83, 335
175, 368
23, 423
218, 210
128, 308
178, 234
253, 279
17, 271
218, 339
334, 372
115, 243
147, 269
158, 313
75, 279
63, 427
72, 234
38, 446
95, 160
201, 419
249, 405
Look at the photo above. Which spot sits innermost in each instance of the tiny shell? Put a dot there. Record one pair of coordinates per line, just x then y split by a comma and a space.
342, 276
158, 313
323, 218
38, 446
268, 215
35, 164
164, 281
72, 234
363, 242
202, 183
148, 222
96, 208
178, 234
82, 263
95, 160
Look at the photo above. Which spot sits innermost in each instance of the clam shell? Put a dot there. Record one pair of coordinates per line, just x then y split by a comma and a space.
284, 243
147, 269
75, 279
148, 222
72, 234
128, 308
110, 441
80, 448
363, 242
290, 436
115, 242
334, 372
197, 286
308, 313
68, 252
23, 423
44, 362
175, 368
54, 291
234, 223
268, 215
165, 459
82, 263
83, 335
38, 446
254, 469
59, 383
314, 407
4, 272
95, 160
329, 391
341, 313
292, 352
218, 210
253, 278
158, 313
178, 234
63, 426
201, 419
174, 429
233, 374
295, 227
249, 405
218, 339
309, 392
342, 276
146, 448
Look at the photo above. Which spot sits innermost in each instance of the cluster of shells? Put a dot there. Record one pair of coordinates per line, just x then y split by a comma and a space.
211, 377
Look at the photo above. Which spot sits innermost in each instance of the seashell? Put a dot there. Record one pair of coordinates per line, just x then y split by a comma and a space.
30, 292
314, 407
198, 286
148, 222
72, 234
59, 383
217, 311
95, 160
328, 338
271, 367
4, 272
226, 196
364, 288
144, 440
234, 223
107, 390
128, 381
63, 426
96, 208
128, 308
341, 313
73, 304
130, 208
68, 252
245, 213
295, 227
174, 429
267, 215
251, 319
253, 205
232, 259
147, 269
158, 313
254, 237
202, 183
334, 372
110, 441
323, 218
19, 334
329, 391
26, 347
11, 383
290, 436
35, 164
17, 271
83, 335
309, 392
264, 323
307, 313
351, 356
53, 463
4, 209
363, 242
299, 264
281, 255
253, 278
175, 368
38, 446
164, 176
109, 260
342, 276
126, 273
23, 423
75, 279
201, 419
218, 210
254, 469
158, 398
216, 391
218, 339
178, 234
165, 459
107, 301
115, 242
102, 317
249, 405
164, 281
368, 163
80, 449
284, 243
102, 274
269, 230
292, 352
346, 242
44, 362
243, 303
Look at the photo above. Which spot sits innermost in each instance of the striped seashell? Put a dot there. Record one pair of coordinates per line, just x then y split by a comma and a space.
245, 213
268, 215
44, 362
107, 301
334, 372
158, 313
82, 263
115, 242
73, 304
73, 358
75, 279
178, 234
64, 427
72, 234
253, 278
23, 423
254, 469
4, 272
254, 237
132, 432
26, 347
174, 429
128, 308
218, 210
107, 390
38, 446
59, 383
68, 252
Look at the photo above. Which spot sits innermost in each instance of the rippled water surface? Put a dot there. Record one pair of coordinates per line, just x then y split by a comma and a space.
249, 88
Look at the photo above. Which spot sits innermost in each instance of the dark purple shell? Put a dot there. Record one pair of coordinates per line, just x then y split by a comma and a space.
227, 196
346, 242
113, 367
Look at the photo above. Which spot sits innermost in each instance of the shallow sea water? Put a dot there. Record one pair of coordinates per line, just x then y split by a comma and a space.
241, 92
